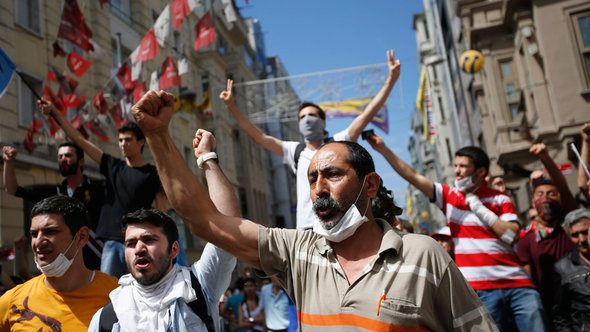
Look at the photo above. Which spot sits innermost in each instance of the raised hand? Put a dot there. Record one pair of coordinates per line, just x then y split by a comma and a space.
377, 143
227, 95
393, 65
586, 132
538, 150
153, 111
9, 153
45, 105
204, 142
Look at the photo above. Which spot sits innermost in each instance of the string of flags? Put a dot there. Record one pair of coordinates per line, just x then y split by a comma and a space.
130, 82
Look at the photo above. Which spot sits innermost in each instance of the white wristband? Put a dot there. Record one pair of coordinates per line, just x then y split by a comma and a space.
205, 157
482, 212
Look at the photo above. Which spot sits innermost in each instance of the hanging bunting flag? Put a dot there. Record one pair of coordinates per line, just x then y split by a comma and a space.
114, 90
162, 26
48, 94
73, 15
148, 49
136, 66
353, 108
205, 32
179, 10
138, 92
67, 83
100, 103
229, 11
117, 115
7, 69
154, 81
72, 100
169, 74
124, 76
76, 37
51, 76
95, 127
28, 143
57, 49
194, 4
76, 123
183, 66
77, 64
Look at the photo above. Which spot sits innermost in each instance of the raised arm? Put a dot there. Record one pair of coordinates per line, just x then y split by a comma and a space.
585, 154
406, 171
360, 122
568, 201
8, 175
90, 149
186, 195
270, 143
220, 190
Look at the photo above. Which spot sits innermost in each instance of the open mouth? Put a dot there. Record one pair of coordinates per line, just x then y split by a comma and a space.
142, 263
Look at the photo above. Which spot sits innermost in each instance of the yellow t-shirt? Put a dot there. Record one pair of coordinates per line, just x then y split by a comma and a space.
33, 306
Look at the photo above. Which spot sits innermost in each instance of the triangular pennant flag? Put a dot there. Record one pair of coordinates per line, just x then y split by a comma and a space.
48, 94
97, 130
138, 92
28, 143
136, 66
100, 103
183, 66
76, 123
124, 76
77, 64
73, 15
71, 83
162, 26
169, 74
154, 81
179, 10
57, 49
72, 100
7, 69
116, 114
205, 32
148, 49
51, 76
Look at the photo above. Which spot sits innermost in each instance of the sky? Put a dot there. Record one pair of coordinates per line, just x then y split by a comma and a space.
312, 36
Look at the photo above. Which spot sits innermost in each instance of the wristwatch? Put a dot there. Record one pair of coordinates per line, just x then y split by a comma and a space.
251, 319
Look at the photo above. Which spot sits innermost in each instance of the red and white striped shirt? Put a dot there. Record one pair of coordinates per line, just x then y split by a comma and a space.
485, 261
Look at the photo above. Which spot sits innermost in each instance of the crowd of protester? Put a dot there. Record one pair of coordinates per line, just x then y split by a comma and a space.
351, 255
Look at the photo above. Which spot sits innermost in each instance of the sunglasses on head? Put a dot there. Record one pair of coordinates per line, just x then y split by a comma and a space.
575, 234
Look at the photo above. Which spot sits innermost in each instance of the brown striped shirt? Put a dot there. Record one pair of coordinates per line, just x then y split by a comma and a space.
411, 284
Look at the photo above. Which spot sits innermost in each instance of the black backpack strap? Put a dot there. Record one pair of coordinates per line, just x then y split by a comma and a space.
107, 318
199, 306
300, 147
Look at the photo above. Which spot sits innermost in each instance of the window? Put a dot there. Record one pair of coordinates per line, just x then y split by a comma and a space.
449, 151
122, 8
28, 15
27, 102
581, 23
442, 110
511, 88
204, 84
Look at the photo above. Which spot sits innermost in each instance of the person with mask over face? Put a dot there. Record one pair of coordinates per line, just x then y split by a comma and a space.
67, 294
354, 272
312, 124
546, 241
484, 226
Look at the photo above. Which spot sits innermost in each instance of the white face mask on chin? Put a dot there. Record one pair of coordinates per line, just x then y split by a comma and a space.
464, 184
59, 266
347, 225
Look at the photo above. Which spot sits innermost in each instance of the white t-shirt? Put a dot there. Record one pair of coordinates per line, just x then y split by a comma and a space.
305, 215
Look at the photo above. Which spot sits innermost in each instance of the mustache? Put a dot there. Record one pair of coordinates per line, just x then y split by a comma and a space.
326, 203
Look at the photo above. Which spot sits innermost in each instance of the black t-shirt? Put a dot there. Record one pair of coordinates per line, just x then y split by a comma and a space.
127, 189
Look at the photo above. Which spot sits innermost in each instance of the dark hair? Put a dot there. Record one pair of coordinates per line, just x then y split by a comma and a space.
478, 156
358, 157
305, 104
79, 151
405, 224
156, 218
74, 213
542, 182
249, 279
133, 128
383, 205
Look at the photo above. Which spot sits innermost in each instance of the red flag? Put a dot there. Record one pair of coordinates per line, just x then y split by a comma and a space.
205, 32
28, 143
71, 100
95, 128
117, 114
73, 15
77, 64
100, 103
51, 76
179, 10
72, 83
124, 75
148, 48
138, 92
76, 124
67, 32
57, 50
170, 75
48, 94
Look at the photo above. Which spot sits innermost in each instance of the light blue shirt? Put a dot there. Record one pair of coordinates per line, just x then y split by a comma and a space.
276, 308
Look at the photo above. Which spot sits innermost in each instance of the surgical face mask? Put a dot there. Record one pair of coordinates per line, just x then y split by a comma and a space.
347, 225
464, 184
312, 128
59, 266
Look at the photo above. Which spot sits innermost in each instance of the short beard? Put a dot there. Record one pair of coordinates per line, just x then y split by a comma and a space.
336, 213
69, 170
